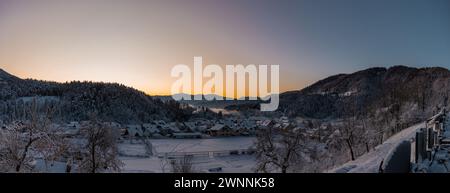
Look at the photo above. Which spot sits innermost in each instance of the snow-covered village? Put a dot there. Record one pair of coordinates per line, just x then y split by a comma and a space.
35, 137
223, 144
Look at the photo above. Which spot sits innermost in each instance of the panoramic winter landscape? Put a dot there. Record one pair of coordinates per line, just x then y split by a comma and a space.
106, 127
356, 87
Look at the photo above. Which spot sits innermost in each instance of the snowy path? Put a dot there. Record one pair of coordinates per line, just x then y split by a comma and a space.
370, 162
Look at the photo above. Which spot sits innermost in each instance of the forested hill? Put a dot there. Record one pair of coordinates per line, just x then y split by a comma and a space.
396, 90
75, 101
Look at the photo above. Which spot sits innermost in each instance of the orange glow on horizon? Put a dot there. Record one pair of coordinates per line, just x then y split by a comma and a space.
135, 44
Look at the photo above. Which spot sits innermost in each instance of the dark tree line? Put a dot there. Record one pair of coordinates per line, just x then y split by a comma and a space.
72, 101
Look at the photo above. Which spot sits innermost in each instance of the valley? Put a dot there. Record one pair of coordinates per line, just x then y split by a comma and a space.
336, 120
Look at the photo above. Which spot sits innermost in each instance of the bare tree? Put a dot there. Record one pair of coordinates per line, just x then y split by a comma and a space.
348, 134
166, 160
51, 150
101, 148
183, 165
163, 163
278, 149
369, 134
22, 140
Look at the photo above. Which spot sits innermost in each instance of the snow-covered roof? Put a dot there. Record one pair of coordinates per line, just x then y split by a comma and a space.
133, 131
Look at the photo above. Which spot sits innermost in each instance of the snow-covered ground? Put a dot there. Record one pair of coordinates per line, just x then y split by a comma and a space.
132, 150
52, 167
370, 162
229, 164
202, 145
135, 160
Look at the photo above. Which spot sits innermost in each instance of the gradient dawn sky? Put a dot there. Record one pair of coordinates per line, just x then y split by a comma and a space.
138, 42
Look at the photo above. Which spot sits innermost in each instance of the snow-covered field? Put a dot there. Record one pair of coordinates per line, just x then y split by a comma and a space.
202, 145
132, 150
370, 162
135, 160
229, 164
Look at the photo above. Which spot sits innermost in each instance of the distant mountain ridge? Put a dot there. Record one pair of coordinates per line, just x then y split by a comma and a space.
225, 102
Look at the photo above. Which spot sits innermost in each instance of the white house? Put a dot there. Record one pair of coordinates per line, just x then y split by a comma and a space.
134, 131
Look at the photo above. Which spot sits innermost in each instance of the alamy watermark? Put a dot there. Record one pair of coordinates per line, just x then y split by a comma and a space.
258, 77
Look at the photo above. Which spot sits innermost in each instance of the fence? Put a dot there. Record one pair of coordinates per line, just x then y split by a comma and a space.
206, 153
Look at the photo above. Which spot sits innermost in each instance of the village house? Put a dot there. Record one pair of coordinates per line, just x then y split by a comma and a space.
190, 126
220, 130
169, 129
248, 127
134, 131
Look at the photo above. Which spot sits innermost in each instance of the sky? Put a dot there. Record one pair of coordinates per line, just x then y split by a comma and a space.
137, 42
